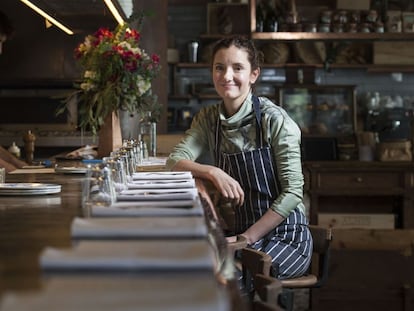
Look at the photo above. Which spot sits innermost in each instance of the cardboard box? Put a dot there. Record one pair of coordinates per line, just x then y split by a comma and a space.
393, 53
353, 4
361, 221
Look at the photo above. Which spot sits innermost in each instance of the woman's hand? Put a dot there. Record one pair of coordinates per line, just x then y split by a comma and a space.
228, 187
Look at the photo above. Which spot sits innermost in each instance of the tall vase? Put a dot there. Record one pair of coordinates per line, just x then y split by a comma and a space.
110, 137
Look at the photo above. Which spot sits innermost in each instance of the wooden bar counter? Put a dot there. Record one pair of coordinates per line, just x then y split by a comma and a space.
29, 224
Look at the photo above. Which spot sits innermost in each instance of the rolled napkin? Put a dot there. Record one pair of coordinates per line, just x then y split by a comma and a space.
139, 228
149, 208
157, 194
161, 184
130, 256
150, 292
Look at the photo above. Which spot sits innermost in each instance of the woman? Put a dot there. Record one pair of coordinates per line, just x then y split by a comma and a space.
257, 166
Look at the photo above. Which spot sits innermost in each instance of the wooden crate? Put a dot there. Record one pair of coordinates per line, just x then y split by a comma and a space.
361, 221
393, 53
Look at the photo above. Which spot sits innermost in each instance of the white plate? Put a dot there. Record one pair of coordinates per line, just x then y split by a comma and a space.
28, 188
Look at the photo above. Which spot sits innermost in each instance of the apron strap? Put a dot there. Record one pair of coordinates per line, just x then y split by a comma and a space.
256, 107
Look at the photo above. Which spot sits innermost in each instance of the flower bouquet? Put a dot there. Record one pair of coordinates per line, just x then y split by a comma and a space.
117, 75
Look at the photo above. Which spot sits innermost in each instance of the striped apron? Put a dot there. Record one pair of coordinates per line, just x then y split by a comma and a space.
290, 243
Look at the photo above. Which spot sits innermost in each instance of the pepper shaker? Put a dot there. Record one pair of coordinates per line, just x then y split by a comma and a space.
29, 146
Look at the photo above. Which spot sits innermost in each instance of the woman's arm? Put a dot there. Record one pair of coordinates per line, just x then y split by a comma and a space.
228, 187
260, 228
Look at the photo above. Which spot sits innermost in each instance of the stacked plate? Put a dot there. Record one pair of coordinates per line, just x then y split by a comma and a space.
28, 188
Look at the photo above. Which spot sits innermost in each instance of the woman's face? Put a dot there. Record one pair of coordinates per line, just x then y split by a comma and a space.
233, 75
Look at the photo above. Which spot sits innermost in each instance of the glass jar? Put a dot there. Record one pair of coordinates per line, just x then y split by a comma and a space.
338, 27
364, 27
352, 27
355, 17
310, 27
372, 16
340, 17
326, 17
324, 28
379, 27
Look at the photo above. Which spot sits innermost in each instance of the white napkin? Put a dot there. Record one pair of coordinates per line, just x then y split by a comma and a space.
162, 175
131, 256
157, 194
138, 228
161, 184
153, 161
149, 208
151, 292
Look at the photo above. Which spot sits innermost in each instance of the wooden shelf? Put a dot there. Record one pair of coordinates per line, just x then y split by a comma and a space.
192, 65
368, 67
332, 36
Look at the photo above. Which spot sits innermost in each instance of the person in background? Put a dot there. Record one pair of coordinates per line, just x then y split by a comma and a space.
9, 161
257, 167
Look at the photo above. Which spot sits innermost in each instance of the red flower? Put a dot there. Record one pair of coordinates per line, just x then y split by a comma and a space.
78, 53
101, 35
155, 58
132, 33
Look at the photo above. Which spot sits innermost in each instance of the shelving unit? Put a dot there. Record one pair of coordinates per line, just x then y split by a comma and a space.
335, 37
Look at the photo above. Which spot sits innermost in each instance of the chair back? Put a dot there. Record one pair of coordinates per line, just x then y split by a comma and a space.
267, 288
322, 238
253, 262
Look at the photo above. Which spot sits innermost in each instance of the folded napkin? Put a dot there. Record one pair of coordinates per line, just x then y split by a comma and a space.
130, 256
161, 184
149, 208
162, 175
153, 161
150, 292
157, 194
138, 228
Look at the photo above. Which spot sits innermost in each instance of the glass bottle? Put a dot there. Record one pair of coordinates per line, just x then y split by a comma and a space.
260, 19
271, 21
148, 134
